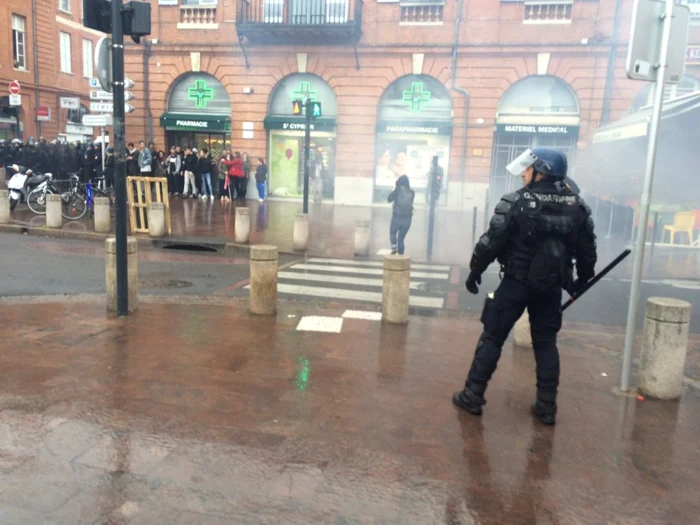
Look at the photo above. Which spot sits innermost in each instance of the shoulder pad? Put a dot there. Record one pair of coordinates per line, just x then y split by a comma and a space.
586, 208
511, 197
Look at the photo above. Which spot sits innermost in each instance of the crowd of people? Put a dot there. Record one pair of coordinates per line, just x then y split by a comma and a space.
190, 173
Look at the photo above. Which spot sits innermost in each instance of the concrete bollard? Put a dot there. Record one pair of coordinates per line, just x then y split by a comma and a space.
4, 206
521, 334
664, 347
263, 279
156, 219
132, 272
242, 226
362, 238
102, 215
54, 205
301, 232
395, 289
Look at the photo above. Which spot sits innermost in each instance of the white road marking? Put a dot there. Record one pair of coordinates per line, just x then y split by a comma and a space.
362, 314
354, 295
365, 271
341, 279
314, 323
345, 262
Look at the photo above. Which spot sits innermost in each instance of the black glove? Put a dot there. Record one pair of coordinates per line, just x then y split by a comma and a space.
472, 281
576, 286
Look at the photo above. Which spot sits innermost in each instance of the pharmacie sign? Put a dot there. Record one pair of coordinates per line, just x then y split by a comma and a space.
175, 122
419, 128
540, 129
286, 124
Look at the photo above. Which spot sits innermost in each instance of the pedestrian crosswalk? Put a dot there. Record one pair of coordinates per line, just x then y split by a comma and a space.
360, 281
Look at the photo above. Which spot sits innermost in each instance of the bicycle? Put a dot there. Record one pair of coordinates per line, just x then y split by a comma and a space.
36, 200
80, 198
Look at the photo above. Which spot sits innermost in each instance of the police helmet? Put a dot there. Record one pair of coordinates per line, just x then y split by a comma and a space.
546, 161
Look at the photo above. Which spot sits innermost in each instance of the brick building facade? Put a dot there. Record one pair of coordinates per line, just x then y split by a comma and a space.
49, 52
474, 81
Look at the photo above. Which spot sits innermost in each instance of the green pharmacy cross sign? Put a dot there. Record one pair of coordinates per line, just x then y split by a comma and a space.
305, 93
200, 93
416, 98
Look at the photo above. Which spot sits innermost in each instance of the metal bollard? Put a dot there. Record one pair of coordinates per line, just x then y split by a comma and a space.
102, 215
664, 347
301, 232
362, 238
395, 289
156, 219
54, 205
521, 334
4, 207
263, 279
242, 226
111, 272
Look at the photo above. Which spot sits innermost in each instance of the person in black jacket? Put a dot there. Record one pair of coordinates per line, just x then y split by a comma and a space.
132, 161
190, 166
535, 233
402, 215
261, 178
205, 169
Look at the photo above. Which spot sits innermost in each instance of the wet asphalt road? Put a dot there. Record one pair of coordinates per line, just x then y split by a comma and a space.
38, 266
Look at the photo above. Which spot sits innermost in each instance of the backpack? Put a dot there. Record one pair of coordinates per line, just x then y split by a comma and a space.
403, 205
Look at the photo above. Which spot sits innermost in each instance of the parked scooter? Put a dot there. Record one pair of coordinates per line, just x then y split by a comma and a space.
23, 182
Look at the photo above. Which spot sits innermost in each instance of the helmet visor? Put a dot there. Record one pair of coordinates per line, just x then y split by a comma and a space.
521, 163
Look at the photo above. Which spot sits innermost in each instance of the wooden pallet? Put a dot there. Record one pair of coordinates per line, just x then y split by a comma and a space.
142, 191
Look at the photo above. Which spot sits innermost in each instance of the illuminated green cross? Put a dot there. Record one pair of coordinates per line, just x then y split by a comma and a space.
305, 93
416, 97
200, 93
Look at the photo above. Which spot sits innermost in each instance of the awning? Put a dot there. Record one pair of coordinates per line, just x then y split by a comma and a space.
637, 124
196, 122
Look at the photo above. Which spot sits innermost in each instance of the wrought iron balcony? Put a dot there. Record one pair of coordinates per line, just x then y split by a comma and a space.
310, 22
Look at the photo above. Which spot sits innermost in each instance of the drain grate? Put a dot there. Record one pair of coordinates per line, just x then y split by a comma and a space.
164, 284
190, 247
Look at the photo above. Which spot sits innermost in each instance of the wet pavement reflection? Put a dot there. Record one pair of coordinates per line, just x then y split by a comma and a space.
202, 414
332, 230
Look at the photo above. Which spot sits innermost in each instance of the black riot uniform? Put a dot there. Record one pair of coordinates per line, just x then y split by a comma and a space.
536, 234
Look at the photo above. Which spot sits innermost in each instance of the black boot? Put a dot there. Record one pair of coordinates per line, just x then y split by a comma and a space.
467, 400
545, 412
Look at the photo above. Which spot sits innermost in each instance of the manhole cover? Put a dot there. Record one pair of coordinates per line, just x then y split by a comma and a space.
164, 283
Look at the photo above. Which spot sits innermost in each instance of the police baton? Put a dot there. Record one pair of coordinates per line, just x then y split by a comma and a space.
595, 279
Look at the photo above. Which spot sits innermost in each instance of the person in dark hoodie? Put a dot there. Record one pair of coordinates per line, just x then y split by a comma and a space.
402, 197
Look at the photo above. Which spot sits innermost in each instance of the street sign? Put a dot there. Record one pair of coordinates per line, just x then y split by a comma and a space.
100, 121
108, 107
128, 83
69, 102
98, 94
643, 55
103, 62
14, 88
15, 100
94, 82
43, 114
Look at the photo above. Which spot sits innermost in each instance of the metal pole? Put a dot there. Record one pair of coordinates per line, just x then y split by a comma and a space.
646, 198
307, 146
103, 183
653, 233
119, 158
431, 213
474, 216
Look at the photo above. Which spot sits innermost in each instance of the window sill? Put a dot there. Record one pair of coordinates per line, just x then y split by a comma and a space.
67, 73
182, 25
64, 12
21, 69
546, 22
421, 23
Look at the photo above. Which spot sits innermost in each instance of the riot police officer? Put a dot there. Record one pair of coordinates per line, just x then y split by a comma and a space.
536, 233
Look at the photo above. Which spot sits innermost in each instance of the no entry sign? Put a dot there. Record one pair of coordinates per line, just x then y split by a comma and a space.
14, 88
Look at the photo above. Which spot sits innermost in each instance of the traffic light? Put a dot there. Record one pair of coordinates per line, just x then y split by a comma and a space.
97, 14
297, 106
136, 17
316, 110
